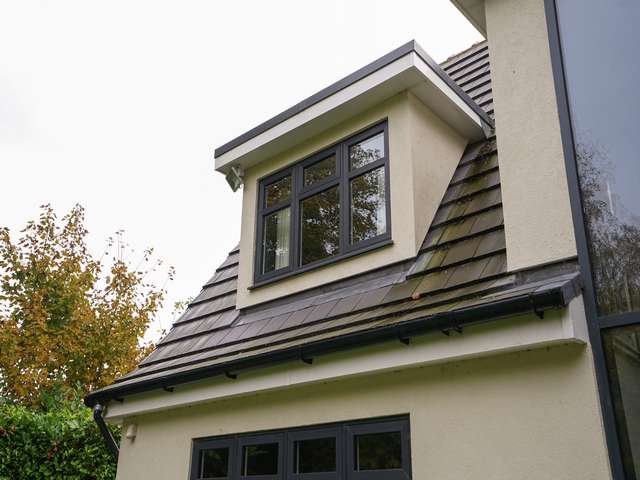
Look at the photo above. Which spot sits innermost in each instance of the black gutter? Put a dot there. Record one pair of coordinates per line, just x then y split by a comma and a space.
557, 297
411, 46
98, 410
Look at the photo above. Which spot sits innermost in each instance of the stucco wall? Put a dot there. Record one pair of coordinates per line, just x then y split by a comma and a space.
528, 415
538, 224
423, 153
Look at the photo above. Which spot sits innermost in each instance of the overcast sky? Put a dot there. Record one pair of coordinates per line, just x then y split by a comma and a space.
119, 105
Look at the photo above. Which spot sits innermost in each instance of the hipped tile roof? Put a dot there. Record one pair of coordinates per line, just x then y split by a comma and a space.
461, 265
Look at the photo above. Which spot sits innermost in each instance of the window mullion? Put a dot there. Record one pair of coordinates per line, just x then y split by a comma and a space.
345, 204
295, 217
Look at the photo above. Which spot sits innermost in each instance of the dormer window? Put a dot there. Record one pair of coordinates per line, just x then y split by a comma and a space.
329, 206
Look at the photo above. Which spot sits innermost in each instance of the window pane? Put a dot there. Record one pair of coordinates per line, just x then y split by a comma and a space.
378, 451
320, 226
277, 192
214, 463
320, 170
275, 251
314, 456
605, 112
367, 151
260, 459
622, 346
368, 206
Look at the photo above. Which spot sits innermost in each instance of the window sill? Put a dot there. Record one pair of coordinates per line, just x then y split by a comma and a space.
321, 263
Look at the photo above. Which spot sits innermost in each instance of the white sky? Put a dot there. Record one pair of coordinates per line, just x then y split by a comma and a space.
119, 105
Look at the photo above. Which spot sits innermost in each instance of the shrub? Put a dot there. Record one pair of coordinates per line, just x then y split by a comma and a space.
60, 443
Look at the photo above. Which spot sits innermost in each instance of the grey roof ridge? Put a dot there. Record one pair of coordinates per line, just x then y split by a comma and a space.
410, 46
464, 54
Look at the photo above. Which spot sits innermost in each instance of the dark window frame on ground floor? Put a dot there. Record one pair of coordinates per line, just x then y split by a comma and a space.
346, 435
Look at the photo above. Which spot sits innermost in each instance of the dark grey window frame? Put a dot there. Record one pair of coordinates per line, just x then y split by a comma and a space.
258, 439
310, 434
221, 442
386, 427
597, 324
344, 434
299, 192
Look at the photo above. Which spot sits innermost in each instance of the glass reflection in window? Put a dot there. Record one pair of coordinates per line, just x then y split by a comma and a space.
368, 206
605, 113
277, 192
260, 459
622, 346
378, 451
315, 455
367, 151
320, 171
320, 226
214, 463
276, 240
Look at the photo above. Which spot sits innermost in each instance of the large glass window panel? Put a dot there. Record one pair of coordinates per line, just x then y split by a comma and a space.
277, 192
368, 206
320, 226
378, 451
600, 51
214, 463
320, 171
275, 248
314, 455
622, 347
260, 459
367, 151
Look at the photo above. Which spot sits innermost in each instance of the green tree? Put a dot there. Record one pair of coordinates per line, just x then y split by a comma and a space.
67, 320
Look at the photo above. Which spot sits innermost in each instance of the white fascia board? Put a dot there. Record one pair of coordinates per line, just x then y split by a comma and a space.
524, 332
409, 72
473, 10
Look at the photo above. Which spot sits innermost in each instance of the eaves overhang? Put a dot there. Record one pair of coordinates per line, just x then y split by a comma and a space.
555, 297
474, 11
405, 68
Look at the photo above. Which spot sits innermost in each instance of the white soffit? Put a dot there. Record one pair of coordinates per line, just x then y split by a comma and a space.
409, 68
474, 11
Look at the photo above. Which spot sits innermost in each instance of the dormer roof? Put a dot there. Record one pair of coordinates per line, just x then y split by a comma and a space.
408, 67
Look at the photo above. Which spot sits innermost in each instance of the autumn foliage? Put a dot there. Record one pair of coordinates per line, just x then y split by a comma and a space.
67, 319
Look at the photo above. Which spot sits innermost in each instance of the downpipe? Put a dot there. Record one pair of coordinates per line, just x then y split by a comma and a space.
98, 411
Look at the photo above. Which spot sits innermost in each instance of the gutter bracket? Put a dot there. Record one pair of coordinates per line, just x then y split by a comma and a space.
539, 313
232, 376
308, 361
168, 389
404, 340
